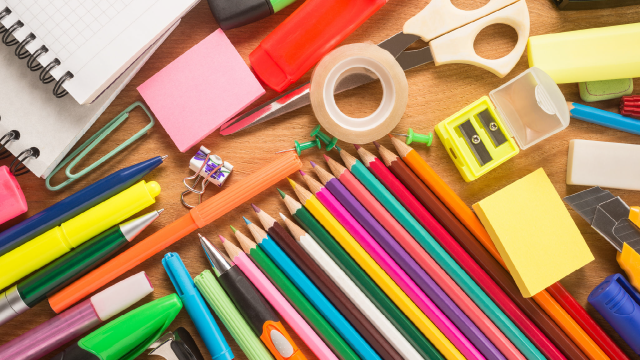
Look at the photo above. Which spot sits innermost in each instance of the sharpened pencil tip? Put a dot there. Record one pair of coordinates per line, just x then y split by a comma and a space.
222, 237
281, 193
284, 218
376, 144
302, 172
313, 165
293, 183
327, 158
391, 136
246, 221
357, 146
233, 229
255, 208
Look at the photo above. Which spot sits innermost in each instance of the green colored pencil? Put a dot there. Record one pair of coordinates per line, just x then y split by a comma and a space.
361, 279
295, 297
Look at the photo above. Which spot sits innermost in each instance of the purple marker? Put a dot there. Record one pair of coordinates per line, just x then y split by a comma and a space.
410, 266
78, 320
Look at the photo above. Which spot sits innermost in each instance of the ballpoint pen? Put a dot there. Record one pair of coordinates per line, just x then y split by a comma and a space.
128, 336
35, 288
253, 307
59, 330
196, 307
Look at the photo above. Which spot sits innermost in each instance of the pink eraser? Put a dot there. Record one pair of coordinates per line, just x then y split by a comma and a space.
12, 201
196, 93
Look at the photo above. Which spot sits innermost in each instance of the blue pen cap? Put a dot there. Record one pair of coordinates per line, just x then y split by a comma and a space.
619, 303
196, 308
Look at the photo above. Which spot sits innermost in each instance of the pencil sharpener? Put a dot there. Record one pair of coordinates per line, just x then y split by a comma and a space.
515, 116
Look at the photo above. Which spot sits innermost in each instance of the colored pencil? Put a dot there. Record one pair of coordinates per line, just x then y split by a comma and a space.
312, 293
404, 261
482, 257
322, 259
322, 327
282, 306
424, 260
501, 293
344, 238
572, 310
202, 215
327, 286
419, 233
361, 279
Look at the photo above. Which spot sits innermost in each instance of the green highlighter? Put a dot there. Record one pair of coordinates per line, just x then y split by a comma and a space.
127, 336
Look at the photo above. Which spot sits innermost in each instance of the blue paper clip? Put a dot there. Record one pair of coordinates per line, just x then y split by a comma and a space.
95, 140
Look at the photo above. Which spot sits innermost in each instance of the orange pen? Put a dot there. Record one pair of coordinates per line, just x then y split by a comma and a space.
587, 335
198, 217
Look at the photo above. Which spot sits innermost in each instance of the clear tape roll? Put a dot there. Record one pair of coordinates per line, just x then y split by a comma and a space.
354, 59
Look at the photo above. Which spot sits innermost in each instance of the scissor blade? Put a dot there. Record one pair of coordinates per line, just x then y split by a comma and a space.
414, 58
398, 43
290, 101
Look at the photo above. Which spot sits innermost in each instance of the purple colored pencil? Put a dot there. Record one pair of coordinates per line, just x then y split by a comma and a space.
411, 267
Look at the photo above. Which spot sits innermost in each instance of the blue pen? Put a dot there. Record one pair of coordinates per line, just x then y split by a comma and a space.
604, 118
197, 308
311, 292
75, 204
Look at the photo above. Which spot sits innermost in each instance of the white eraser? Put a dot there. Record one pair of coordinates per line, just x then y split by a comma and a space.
605, 164
120, 296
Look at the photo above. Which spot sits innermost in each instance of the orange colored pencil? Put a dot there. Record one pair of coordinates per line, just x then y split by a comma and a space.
574, 321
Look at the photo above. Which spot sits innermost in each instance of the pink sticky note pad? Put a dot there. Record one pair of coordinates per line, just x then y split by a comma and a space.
200, 90
12, 201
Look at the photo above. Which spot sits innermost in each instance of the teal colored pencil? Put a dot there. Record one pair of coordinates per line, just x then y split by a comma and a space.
436, 251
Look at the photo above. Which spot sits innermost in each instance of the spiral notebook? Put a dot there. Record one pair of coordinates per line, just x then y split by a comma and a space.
49, 124
83, 46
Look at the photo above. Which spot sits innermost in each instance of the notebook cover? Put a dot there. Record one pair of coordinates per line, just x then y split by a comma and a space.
200, 90
533, 232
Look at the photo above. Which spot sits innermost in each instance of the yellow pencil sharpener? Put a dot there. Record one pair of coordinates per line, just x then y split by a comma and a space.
517, 115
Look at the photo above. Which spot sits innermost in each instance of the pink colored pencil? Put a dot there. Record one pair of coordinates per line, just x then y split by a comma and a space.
425, 260
282, 306
393, 269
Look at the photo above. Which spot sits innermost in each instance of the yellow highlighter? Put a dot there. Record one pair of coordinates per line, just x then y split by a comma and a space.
58, 241
616, 222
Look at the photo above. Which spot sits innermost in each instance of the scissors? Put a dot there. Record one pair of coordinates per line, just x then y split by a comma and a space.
450, 33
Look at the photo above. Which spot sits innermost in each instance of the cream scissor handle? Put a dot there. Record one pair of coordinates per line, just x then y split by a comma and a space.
441, 17
457, 45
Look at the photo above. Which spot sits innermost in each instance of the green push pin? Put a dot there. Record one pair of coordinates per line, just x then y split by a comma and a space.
412, 136
304, 146
331, 143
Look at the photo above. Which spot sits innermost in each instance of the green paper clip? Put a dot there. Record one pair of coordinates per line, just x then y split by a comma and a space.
95, 140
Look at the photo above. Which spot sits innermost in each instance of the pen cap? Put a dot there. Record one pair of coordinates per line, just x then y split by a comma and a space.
120, 296
12, 201
619, 304
533, 107
233, 14
130, 335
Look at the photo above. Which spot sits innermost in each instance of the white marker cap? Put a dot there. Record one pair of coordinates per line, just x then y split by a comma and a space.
120, 296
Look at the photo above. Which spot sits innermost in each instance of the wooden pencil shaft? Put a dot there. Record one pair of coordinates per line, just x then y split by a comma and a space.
476, 261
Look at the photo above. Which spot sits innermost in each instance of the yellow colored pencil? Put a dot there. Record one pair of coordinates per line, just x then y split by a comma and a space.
406, 305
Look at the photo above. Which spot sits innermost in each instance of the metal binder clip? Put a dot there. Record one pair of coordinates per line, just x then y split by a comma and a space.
17, 166
208, 169
95, 140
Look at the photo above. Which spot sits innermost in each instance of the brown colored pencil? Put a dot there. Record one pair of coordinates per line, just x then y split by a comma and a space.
327, 286
481, 256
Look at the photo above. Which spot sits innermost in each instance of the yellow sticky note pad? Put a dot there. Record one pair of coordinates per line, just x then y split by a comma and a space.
533, 232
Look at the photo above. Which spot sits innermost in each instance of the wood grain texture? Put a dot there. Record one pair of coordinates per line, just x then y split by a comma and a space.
434, 94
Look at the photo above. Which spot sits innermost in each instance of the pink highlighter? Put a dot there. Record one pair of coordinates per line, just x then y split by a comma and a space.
12, 201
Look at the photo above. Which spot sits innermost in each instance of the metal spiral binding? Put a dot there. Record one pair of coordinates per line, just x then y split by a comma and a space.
45, 74
21, 51
9, 33
17, 166
4, 140
3, 14
58, 91
33, 64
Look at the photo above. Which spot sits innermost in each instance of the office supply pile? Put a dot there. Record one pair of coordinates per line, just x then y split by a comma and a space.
357, 240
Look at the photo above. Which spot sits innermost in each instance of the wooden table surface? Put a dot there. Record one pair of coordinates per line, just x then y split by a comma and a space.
434, 94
